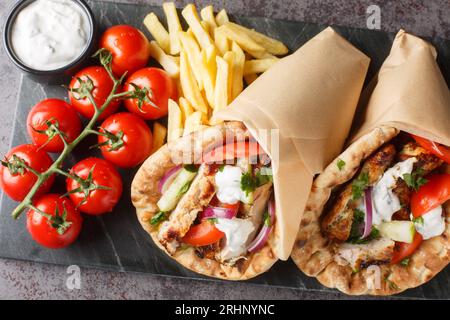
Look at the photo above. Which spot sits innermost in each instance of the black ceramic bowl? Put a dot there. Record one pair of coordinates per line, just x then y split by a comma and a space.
57, 76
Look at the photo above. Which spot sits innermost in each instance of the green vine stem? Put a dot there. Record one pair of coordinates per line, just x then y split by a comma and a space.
105, 60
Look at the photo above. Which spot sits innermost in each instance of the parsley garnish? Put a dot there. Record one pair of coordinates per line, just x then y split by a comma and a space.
357, 226
266, 219
359, 185
222, 166
191, 167
248, 183
405, 262
418, 220
415, 179
340, 164
213, 220
158, 218
264, 176
392, 285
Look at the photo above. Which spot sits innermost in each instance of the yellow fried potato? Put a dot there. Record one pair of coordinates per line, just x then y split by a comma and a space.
243, 40
190, 15
238, 71
221, 89
207, 14
189, 85
192, 50
174, 26
158, 32
229, 58
221, 41
258, 65
208, 76
169, 63
193, 122
249, 78
175, 121
159, 136
222, 17
186, 108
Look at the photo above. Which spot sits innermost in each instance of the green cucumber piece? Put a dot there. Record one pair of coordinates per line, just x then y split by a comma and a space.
179, 186
402, 231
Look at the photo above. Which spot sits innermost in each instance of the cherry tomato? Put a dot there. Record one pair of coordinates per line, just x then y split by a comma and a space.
102, 182
128, 142
403, 250
103, 86
431, 195
59, 113
230, 151
437, 149
18, 181
161, 87
129, 47
59, 226
203, 234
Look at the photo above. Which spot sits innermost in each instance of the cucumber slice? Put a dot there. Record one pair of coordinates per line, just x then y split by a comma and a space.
179, 186
402, 231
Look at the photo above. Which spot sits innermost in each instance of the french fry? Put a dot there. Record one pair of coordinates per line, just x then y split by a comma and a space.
192, 50
221, 88
222, 17
158, 31
243, 40
189, 85
185, 107
190, 15
208, 75
249, 78
258, 65
193, 123
272, 46
169, 63
207, 14
229, 58
174, 26
175, 121
221, 41
238, 71
159, 136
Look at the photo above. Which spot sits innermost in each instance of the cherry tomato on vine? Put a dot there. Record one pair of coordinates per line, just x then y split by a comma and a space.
61, 116
127, 140
160, 86
102, 87
15, 179
129, 47
98, 186
56, 224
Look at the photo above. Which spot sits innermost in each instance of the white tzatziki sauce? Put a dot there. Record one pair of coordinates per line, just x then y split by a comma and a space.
228, 182
385, 202
432, 223
236, 232
50, 34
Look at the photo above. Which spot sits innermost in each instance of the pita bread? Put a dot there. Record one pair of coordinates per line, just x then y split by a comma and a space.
145, 195
314, 254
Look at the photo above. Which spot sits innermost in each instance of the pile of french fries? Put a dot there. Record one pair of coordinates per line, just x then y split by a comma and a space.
210, 61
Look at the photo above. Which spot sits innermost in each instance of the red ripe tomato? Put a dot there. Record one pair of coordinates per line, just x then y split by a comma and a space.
403, 250
240, 149
128, 140
203, 234
161, 87
431, 195
60, 224
101, 189
129, 47
59, 113
103, 86
17, 181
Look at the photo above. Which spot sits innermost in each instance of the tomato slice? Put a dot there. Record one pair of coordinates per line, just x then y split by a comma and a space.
403, 250
217, 203
431, 195
203, 234
440, 151
230, 151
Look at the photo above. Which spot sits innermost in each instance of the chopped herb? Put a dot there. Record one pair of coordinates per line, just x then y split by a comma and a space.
392, 285
222, 166
418, 220
266, 219
359, 185
358, 221
158, 218
248, 183
405, 262
191, 167
415, 179
264, 176
340, 164
374, 234
355, 271
185, 188
213, 220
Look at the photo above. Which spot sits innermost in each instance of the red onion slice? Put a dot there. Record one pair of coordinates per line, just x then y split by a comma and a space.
168, 178
218, 212
369, 212
263, 235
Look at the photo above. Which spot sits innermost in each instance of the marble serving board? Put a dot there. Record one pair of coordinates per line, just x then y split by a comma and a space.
116, 241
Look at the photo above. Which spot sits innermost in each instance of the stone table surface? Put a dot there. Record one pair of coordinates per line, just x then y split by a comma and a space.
26, 280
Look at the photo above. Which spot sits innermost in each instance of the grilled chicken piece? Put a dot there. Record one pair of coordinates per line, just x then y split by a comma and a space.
198, 196
337, 222
363, 255
402, 191
208, 252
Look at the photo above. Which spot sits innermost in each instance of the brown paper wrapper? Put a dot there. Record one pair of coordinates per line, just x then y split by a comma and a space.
310, 98
409, 93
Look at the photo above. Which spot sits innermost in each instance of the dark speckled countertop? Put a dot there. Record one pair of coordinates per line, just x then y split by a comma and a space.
26, 280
